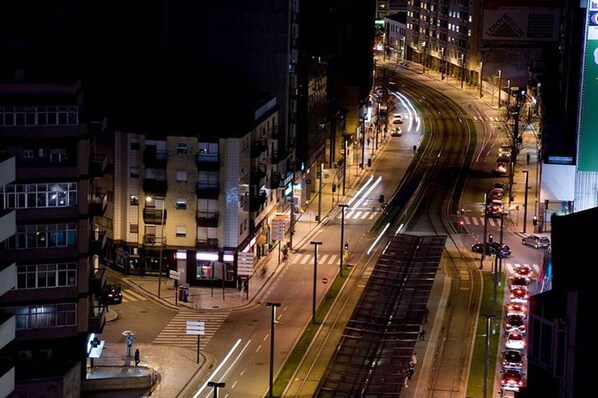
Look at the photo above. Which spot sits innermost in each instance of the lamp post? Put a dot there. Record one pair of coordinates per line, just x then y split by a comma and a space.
216, 386
342, 253
485, 232
499, 86
320, 193
273, 306
424, 57
163, 210
345, 139
403, 40
441, 51
481, 70
313, 305
486, 350
362, 124
462, 69
525, 200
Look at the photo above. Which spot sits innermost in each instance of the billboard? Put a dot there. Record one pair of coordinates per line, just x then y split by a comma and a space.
588, 121
514, 21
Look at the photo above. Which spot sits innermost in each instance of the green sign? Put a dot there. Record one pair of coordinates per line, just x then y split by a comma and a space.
588, 124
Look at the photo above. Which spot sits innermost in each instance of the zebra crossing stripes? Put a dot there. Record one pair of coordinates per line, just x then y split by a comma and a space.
130, 295
359, 215
175, 333
300, 258
495, 222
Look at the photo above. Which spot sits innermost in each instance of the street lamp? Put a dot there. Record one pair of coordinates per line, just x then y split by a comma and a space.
499, 86
525, 200
462, 69
441, 51
320, 193
486, 350
481, 70
424, 57
216, 386
313, 306
149, 199
345, 143
343, 207
362, 124
273, 306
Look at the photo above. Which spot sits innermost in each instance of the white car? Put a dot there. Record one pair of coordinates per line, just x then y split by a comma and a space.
515, 341
397, 119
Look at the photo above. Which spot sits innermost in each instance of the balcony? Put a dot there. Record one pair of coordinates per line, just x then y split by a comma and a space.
98, 242
152, 215
275, 181
258, 147
207, 219
258, 175
153, 240
153, 187
98, 165
210, 243
207, 191
257, 201
97, 281
97, 320
208, 162
98, 205
153, 159
8, 224
274, 158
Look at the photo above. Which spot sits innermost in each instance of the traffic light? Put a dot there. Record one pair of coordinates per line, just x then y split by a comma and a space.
490, 238
535, 220
346, 246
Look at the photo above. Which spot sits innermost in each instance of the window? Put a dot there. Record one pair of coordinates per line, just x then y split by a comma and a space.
46, 316
32, 236
181, 231
181, 175
28, 154
134, 172
181, 204
134, 228
134, 200
134, 146
181, 147
23, 196
46, 275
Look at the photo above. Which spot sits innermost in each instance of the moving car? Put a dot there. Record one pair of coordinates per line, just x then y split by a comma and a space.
495, 193
516, 309
492, 248
396, 132
524, 270
495, 208
519, 296
499, 185
397, 120
112, 294
515, 323
515, 341
511, 380
539, 242
504, 154
500, 168
518, 282
512, 359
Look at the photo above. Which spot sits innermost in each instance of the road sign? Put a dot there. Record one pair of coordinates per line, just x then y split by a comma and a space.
175, 275
245, 263
278, 227
324, 280
196, 328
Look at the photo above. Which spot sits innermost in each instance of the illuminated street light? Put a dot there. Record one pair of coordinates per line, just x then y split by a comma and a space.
343, 207
313, 307
273, 306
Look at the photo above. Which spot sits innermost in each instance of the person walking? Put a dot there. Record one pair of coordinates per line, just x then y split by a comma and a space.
422, 333
413, 362
137, 360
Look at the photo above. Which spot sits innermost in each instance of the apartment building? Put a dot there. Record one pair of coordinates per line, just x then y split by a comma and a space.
55, 283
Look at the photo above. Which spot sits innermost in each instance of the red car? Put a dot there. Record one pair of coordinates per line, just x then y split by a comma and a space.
511, 380
519, 295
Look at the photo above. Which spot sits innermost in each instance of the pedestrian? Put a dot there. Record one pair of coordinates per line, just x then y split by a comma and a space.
422, 333
137, 357
413, 360
528, 157
410, 371
414, 148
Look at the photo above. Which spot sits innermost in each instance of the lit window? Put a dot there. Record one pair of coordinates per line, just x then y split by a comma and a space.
181, 204
181, 231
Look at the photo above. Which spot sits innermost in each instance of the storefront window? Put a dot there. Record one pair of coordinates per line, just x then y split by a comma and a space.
204, 270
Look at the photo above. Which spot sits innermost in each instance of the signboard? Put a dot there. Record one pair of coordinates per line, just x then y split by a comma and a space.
196, 328
175, 275
245, 263
278, 228
588, 137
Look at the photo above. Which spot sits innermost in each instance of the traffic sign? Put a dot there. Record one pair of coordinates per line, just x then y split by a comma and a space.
175, 275
245, 263
278, 227
324, 280
196, 327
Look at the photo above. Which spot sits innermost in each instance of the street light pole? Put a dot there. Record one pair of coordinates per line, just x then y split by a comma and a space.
525, 200
462, 69
486, 350
342, 253
344, 162
216, 387
485, 232
362, 123
313, 306
273, 306
481, 80
320, 193
499, 86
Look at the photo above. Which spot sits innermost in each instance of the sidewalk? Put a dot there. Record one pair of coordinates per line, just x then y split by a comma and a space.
174, 375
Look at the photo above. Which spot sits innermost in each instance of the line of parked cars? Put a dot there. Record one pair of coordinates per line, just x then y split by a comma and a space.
515, 330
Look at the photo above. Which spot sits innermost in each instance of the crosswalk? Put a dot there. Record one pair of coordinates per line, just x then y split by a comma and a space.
357, 214
304, 258
468, 220
131, 296
175, 333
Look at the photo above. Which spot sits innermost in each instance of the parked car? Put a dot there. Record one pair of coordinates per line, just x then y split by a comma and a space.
397, 120
512, 359
518, 282
495, 209
492, 248
519, 296
524, 270
396, 132
511, 380
499, 185
516, 309
515, 341
515, 323
539, 242
112, 294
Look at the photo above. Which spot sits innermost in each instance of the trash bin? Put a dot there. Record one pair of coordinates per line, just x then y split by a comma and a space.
184, 293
